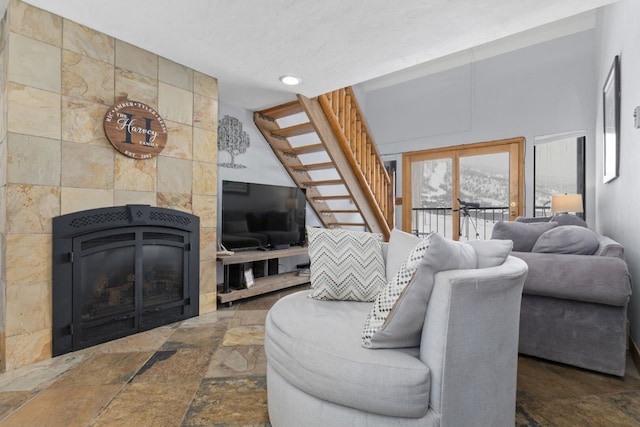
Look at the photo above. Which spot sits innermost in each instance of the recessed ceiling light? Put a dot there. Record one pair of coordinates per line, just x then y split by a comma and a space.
290, 80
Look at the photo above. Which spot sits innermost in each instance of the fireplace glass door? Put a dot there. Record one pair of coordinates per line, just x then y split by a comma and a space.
126, 282
164, 284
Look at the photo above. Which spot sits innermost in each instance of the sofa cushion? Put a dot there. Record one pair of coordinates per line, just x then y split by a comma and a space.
491, 253
397, 315
523, 234
586, 278
400, 245
315, 345
345, 265
531, 219
568, 219
567, 239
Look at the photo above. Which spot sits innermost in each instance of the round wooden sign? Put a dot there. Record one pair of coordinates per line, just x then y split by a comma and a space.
135, 129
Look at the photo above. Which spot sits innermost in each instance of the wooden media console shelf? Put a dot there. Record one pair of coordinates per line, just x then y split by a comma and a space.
268, 283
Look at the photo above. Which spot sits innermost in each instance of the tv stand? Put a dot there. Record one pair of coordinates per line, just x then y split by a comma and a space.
280, 247
262, 285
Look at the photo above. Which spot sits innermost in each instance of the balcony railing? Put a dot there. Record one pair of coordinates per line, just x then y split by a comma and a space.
543, 210
478, 225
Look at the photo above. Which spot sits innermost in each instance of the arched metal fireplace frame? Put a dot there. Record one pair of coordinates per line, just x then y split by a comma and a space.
143, 231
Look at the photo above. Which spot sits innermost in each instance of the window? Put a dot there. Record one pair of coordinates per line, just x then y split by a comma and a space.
558, 169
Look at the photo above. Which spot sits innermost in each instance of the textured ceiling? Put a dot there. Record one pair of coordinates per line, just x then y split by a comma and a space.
329, 44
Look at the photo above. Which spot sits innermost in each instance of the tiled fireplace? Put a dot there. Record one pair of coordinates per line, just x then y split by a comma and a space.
60, 78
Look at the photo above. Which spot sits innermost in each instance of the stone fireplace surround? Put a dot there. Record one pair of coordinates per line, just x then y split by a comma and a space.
59, 80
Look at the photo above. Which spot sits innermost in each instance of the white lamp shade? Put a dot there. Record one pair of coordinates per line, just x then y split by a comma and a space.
566, 203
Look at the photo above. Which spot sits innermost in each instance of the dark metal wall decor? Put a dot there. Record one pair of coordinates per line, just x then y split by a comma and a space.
232, 139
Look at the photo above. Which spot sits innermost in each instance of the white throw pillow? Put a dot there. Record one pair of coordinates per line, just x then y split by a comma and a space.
345, 265
397, 316
491, 253
400, 245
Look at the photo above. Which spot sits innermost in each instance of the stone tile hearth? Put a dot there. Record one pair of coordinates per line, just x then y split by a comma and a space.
207, 370
210, 370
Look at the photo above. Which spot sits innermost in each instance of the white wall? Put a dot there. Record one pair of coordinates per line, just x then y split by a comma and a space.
262, 167
539, 90
618, 202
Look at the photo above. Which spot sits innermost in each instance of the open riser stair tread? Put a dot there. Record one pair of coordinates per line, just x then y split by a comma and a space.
284, 110
296, 130
322, 183
340, 211
314, 166
305, 149
303, 137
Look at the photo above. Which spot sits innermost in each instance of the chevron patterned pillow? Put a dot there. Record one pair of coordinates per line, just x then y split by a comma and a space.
345, 265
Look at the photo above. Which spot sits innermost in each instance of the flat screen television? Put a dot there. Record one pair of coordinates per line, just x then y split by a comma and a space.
262, 216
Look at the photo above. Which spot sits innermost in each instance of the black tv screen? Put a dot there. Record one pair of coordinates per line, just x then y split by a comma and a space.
256, 216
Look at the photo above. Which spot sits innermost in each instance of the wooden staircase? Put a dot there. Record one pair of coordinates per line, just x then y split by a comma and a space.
326, 147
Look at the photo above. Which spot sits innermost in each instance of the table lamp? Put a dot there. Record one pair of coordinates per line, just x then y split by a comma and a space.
565, 203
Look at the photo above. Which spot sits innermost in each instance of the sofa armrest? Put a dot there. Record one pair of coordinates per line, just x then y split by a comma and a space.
470, 343
609, 247
587, 278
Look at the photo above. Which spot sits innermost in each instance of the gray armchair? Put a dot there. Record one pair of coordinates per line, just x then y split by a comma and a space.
463, 374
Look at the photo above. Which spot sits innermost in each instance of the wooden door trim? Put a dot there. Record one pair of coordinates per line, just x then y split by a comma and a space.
516, 147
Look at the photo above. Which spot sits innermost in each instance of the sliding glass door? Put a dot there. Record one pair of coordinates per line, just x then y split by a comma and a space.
460, 192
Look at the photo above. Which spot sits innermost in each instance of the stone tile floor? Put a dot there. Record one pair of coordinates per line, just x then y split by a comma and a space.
210, 371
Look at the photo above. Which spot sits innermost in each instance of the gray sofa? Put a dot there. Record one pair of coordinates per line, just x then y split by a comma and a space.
574, 305
463, 373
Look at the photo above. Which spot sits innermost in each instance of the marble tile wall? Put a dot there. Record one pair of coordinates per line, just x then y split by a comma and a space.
58, 80
4, 35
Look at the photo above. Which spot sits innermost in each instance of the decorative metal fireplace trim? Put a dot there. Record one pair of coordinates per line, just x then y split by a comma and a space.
142, 229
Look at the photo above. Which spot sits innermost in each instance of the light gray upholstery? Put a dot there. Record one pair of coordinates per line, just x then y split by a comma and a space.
567, 239
609, 247
399, 246
574, 307
568, 219
583, 334
587, 278
574, 310
403, 326
561, 219
491, 253
317, 348
464, 372
523, 235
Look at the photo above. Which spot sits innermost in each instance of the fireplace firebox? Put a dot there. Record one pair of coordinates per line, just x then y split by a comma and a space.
122, 270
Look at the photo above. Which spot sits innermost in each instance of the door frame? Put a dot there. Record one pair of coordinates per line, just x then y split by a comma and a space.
514, 146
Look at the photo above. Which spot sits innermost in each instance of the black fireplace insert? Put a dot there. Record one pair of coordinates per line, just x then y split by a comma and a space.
122, 270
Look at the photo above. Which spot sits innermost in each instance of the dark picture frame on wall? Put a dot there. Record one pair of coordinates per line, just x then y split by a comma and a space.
611, 122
